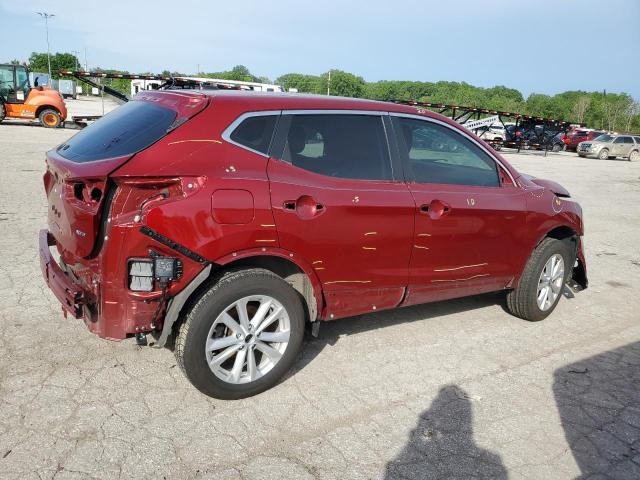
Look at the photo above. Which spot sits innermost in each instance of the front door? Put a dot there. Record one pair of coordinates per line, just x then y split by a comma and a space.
338, 204
619, 148
468, 217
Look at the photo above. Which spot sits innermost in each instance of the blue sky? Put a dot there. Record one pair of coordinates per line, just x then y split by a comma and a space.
540, 46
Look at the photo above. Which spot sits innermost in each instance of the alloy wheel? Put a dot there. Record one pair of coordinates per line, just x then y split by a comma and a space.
550, 282
248, 339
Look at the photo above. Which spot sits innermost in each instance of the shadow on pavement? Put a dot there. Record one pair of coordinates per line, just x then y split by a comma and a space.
599, 403
331, 331
442, 444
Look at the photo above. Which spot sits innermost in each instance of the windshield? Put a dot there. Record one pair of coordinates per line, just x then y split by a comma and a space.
603, 138
125, 131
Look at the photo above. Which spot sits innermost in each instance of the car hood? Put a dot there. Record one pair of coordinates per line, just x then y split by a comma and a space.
555, 187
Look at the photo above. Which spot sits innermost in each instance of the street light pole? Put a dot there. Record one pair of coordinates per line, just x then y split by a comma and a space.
46, 17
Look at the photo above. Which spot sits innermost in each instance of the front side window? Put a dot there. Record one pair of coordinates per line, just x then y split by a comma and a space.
255, 132
339, 145
438, 154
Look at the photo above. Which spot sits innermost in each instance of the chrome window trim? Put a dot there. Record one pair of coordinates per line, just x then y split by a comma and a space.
334, 112
226, 134
463, 133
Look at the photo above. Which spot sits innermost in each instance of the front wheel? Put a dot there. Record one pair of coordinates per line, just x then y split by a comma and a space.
242, 335
542, 281
50, 118
604, 154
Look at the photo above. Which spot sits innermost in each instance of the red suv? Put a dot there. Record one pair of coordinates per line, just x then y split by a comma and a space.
226, 221
573, 138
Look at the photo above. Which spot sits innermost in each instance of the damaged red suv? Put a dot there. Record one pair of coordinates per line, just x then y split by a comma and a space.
223, 222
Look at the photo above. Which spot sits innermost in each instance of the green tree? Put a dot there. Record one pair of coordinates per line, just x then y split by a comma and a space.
59, 61
342, 84
303, 83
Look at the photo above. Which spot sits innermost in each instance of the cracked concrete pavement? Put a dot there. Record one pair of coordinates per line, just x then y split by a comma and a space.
453, 389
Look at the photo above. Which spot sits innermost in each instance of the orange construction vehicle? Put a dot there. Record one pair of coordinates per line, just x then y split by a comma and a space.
19, 100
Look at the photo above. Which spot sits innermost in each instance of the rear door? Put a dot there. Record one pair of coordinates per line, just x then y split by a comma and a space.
76, 180
469, 213
340, 204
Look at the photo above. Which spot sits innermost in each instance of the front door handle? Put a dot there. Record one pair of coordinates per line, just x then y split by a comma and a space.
435, 209
306, 207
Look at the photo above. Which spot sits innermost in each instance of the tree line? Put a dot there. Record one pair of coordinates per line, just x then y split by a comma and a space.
602, 110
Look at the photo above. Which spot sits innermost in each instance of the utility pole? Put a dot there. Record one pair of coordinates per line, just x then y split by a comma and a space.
329, 84
46, 17
76, 54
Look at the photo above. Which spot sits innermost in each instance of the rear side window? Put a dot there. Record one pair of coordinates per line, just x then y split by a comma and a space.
628, 140
438, 154
255, 133
339, 145
125, 131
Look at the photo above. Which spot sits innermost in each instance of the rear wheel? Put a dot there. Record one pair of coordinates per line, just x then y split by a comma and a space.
242, 335
604, 154
50, 118
634, 156
542, 281
2, 112
556, 148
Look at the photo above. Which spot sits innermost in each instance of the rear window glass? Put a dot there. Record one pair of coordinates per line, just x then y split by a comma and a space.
125, 131
255, 132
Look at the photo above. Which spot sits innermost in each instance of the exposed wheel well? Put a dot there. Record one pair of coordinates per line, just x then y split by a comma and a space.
287, 270
566, 235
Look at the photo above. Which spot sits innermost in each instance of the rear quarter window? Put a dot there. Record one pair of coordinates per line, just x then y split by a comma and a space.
126, 130
255, 133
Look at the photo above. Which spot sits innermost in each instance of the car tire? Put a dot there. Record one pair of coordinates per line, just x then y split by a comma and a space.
207, 334
2, 112
634, 156
50, 118
603, 154
529, 300
556, 148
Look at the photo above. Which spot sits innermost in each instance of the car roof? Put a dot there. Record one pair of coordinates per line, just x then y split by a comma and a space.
256, 101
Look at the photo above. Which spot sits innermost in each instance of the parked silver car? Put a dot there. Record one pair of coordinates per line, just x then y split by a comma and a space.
611, 146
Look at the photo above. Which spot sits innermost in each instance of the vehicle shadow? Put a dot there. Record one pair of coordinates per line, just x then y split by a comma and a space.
331, 331
442, 444
598, 400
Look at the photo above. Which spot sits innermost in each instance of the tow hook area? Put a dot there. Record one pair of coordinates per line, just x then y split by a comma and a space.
141, 339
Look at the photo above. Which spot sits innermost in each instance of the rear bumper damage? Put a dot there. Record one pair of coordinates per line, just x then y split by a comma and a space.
70, 295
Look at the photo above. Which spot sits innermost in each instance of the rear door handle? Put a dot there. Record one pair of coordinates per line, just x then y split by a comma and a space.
435, 209
306, 207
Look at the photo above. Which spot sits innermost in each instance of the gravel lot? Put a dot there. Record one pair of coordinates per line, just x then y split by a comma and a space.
454, 389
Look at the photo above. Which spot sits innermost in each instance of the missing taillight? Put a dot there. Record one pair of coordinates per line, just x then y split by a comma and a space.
143, 272
141, 275
96, 194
